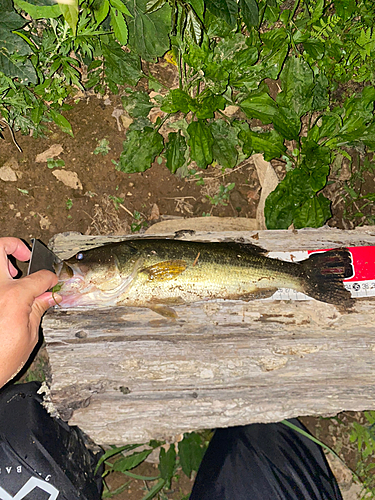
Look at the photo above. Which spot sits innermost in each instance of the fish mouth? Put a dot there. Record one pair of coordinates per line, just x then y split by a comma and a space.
76, 291
63, 271
71, 285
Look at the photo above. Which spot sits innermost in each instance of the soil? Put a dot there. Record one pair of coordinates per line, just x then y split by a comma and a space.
38, 205
105, 201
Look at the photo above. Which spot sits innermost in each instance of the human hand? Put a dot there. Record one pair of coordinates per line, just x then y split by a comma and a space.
22, 305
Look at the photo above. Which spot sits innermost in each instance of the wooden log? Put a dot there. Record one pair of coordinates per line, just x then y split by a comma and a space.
127, 375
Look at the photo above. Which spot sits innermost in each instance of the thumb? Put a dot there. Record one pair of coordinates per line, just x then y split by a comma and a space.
40, 306
46, 300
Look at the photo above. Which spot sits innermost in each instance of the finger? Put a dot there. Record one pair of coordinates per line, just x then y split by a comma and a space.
12, 270
15, 247
40, 306
11, 246
49, 299
37, 283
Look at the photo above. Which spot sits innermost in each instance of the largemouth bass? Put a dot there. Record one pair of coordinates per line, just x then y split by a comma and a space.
161, 272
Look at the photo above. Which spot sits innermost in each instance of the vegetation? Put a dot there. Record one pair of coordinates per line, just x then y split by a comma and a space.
318, 54
226, 53
188, 457
363, 436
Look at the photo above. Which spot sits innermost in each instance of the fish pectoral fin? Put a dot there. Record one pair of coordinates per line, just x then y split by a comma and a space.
165, 311
166, 270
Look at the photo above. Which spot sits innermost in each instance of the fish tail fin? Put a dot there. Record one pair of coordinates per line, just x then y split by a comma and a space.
323, 274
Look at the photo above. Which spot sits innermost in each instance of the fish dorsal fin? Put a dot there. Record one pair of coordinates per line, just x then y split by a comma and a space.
246, 247
166, 270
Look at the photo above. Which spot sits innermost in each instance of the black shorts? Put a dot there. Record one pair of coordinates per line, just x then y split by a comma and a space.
264, 462
42, 458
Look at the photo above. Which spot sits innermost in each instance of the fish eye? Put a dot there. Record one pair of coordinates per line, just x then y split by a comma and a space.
79, 256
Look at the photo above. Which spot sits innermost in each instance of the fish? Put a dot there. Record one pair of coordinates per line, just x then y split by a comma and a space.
160, 273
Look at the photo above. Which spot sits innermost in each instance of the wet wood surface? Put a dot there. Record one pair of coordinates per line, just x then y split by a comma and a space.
127, 375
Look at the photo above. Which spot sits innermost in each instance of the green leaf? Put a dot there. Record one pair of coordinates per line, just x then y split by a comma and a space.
216, 77
225, 142
326, 127
131, 461
197, 56
149, 33
224, 9
314, 48
11, 44
317, 12
320, 93
121, 7
194, 26
154, 490
299, 37
201, 143
39, 11
250, 12
318, 177
275, 50
271, 144
175, 151
297, 83
260, 106
167, 463
287, 123
294, 199
316, 160
313, 213
70, 13
357, 113
282, 204
121, 67
101, 11
191, 452
137, 103
177, 100
140, 149
62, 122
368, 137
205, 107
198, 6
115, 450
272, 12
154, 5
119, 26
345, 9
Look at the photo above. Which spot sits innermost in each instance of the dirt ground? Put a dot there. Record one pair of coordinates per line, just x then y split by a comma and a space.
34, 203
39, 205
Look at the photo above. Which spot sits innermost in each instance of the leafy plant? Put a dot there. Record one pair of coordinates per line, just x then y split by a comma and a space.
102, 147
69, 203
42, 63
117, 200
309, 128
222, 196
51, 163
138, 222
190, 453
364, 437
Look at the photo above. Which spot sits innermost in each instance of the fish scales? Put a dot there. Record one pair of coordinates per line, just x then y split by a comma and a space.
148, 272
